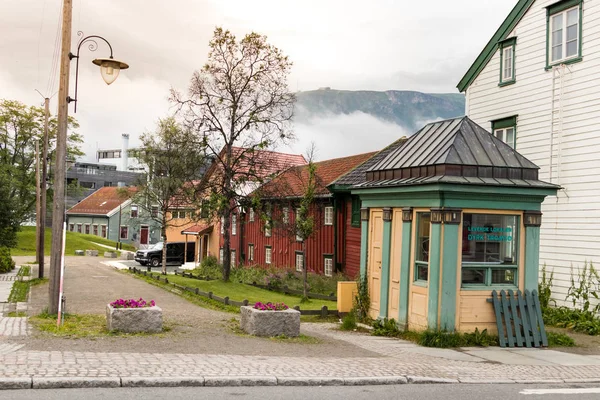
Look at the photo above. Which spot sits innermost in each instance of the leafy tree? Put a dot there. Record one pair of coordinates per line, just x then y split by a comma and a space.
21, 127
174, 157
239, 104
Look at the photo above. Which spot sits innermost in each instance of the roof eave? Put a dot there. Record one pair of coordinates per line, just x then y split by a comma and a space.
486, 54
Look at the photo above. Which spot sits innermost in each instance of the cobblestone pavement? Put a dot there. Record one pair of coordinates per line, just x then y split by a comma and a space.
397, 360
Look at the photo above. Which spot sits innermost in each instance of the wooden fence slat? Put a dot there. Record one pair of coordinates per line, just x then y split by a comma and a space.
540, 318
527, 335
507, 319
532, 318
515, 316
497, 310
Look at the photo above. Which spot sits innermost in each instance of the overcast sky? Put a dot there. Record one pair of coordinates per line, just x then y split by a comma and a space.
345, 44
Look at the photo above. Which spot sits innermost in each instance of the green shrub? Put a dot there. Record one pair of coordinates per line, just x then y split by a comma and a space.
587, 288
349, 322
6, 262
386, 327
481, 339
362, 300
559, 340
577, 320
545, 289
209, 267
440, 339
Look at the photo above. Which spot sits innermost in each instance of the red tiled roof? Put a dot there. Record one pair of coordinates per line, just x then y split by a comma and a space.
292, 182
267, 162
198, 229
101, 202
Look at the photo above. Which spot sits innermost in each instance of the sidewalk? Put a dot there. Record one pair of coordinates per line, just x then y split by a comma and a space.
207, 355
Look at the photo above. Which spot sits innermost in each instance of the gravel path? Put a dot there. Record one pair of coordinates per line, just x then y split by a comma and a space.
90, 285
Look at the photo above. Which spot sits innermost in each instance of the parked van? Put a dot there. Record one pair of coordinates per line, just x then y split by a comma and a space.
175, 254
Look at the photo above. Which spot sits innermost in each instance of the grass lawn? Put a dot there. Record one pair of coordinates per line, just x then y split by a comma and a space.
75, 241
239, 291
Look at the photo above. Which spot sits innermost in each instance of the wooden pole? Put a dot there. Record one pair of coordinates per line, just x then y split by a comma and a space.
58, 209
43, 189
38, 220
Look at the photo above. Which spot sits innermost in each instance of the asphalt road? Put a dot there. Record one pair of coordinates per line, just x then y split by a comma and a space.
412, 392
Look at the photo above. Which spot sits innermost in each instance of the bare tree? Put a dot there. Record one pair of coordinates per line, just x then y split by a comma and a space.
174, 157
239, 104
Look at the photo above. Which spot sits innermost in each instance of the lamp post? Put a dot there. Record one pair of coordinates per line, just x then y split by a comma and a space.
108, 67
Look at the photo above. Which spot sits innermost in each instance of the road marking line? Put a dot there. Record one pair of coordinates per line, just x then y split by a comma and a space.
561, 391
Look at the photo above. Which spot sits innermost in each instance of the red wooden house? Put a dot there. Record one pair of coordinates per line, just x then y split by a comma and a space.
266, 237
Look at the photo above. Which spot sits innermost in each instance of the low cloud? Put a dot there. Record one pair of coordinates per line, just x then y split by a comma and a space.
345, 135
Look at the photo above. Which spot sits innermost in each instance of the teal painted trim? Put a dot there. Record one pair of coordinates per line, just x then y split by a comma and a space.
385, 269
449, 278
511, 42
507, 83
532, 256
435, 242
404, 274
534, 205
508, 122
566, 62
486, 54
435, 188
364, 242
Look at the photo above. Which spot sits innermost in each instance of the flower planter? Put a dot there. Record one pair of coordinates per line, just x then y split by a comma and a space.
134, 320
270, 323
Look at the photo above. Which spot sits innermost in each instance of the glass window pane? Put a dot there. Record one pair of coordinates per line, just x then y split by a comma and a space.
510, 137
573, 17
504, 276
571, 49
557, 22
423, 230
572, 32
473, 276
422, 272
557, 38
489, 239
557, 53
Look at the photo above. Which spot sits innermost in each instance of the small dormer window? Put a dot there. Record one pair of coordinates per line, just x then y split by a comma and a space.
505, 129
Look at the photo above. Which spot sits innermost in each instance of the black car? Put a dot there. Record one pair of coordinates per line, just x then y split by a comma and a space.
175, 254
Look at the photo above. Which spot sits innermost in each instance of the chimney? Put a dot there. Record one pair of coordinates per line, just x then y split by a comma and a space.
124, 148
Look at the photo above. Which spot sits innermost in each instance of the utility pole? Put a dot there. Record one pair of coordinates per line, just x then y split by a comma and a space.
38, 224
44, 179
58, 214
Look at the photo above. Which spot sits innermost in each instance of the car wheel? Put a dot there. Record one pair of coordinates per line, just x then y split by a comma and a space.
155, 262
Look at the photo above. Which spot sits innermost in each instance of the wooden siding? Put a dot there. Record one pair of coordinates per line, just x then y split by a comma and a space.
283, 242
351, 239
558, 114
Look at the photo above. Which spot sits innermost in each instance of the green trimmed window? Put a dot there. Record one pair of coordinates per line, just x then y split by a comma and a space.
563, 32
507, 61
355, 212
505, 129
490, 250
422, 250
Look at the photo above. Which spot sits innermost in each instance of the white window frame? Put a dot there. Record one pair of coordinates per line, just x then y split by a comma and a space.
328, 215
328, 266
502, 134
72, 227
563, 41
154, 211
251, 215
285, 215
508, 62
233, 224
250, 252
104, 231
79, 228
299, 261
95, 229
268, 232
126, 232
298, 238
133, 208
221, 255
268, 255
87, 229
233, 254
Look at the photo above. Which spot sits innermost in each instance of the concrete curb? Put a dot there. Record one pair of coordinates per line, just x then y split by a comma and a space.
237, 381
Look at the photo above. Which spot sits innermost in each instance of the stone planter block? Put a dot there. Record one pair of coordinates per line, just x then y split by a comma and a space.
134, 320
91, 253
110, 254
270, 323
126, 255
79, 252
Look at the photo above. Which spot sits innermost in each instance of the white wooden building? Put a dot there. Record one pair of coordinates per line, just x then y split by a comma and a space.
536, 85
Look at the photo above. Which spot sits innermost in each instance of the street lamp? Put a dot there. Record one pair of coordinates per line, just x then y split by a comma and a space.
58, 214
109, 67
